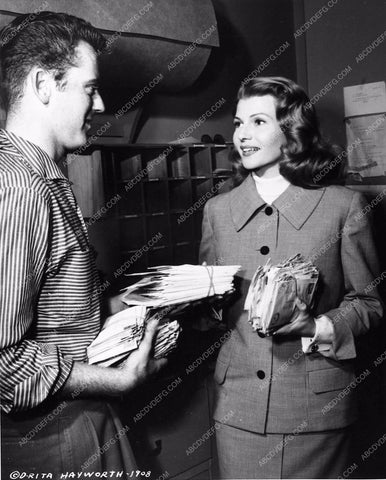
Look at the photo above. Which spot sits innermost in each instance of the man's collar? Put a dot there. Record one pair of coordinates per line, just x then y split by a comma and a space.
36, 157
296, 204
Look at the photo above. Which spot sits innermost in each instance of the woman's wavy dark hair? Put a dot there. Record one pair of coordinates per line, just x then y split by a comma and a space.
307, 161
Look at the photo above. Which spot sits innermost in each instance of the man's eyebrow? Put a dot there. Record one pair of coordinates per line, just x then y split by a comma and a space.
92, 81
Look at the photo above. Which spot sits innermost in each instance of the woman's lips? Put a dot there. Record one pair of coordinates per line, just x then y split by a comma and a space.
247, 151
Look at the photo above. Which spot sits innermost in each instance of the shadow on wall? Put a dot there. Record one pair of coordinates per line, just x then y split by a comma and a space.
248, 36
219, 79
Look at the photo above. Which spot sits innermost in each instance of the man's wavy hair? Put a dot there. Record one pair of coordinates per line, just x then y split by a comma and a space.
307, 161
44, 39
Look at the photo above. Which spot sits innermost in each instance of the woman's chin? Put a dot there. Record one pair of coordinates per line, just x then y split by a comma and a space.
250, 164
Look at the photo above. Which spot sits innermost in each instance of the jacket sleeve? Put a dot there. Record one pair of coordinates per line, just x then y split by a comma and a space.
361, 307
207, 246
29, 370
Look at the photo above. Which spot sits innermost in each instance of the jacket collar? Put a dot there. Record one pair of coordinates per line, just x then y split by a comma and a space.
244, 202
36, 158
296, 204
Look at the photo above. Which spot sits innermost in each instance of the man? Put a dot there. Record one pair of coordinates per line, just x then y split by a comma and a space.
55, 414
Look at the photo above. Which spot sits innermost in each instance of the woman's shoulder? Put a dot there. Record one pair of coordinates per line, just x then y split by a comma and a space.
342, 194
219, 201
222, 200
346, 200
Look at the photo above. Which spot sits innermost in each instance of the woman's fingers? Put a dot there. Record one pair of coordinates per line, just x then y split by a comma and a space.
300, 304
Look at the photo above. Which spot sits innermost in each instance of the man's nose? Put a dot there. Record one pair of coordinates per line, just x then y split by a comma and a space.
98, 105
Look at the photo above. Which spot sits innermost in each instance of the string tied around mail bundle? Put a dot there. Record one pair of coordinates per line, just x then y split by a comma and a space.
210, 271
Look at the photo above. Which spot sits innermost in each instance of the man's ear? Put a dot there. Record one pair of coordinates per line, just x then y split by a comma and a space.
42, 83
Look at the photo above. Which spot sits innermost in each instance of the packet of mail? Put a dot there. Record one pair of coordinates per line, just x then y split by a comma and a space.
167, 293
271, 298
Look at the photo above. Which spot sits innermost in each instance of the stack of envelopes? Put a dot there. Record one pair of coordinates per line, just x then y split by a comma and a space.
176, 284
271, 299
165, 293
120, 334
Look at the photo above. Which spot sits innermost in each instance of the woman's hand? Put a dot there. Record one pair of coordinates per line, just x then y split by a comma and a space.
301, 324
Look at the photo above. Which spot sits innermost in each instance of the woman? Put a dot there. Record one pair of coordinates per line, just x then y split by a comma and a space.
288, 420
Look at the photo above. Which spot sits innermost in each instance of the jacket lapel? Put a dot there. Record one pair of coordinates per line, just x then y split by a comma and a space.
244, 202
296, 204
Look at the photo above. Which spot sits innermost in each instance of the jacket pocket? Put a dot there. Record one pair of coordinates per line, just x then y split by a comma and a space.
329, 379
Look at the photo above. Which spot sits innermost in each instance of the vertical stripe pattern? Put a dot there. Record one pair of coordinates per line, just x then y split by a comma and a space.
49, 296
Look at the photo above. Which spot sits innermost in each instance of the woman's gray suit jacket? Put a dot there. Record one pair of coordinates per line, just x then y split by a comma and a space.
269, 384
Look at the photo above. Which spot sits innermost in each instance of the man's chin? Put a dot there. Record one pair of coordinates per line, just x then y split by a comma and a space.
79, 146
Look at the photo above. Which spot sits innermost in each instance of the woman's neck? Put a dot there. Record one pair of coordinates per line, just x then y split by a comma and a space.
270, 188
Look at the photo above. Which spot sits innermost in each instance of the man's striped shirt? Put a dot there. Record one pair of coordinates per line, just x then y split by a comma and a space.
49, 286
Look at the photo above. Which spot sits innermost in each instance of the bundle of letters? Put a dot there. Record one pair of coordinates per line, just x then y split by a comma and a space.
271, 299
165, 293
177, 284
120, 335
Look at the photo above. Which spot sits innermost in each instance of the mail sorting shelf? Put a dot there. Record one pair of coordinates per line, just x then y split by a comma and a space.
163, 190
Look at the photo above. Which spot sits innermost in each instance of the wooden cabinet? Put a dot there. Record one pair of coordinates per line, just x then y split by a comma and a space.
162, 190
170, 418
164, 437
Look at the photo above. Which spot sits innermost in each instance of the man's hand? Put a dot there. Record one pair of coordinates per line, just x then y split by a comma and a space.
301, 324
91, 380
141, 362
114, 304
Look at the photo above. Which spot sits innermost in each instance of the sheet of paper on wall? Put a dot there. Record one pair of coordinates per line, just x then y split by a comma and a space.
365, 99
365, 110
366, 140
271, 298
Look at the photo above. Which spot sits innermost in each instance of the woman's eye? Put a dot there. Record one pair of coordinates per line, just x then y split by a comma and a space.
236, 124
258, 121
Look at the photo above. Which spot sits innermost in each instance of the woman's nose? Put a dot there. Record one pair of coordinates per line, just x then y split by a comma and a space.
244, 132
